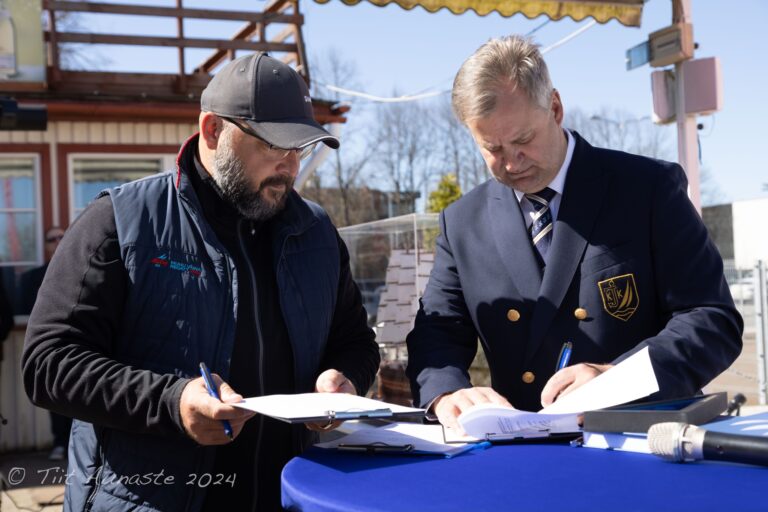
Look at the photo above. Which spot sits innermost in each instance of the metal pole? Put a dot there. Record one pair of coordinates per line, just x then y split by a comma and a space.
182, 66
761, 334
416, 255
687, 142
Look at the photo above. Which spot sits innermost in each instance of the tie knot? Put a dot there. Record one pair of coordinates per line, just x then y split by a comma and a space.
542, 197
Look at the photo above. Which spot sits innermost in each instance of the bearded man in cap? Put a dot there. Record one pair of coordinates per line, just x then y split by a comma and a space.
218, 261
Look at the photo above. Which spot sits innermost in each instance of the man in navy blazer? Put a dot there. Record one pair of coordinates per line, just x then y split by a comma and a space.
569, 243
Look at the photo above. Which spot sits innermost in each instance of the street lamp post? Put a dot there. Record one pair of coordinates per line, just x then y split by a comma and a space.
687, 143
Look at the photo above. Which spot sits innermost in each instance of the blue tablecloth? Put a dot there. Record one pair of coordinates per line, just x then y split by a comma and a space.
519, 477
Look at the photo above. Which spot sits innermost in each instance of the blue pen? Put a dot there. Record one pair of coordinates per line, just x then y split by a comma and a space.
470, 447
211, 386
565, 356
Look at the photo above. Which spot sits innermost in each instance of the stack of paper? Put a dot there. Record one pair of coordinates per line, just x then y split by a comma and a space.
629, 380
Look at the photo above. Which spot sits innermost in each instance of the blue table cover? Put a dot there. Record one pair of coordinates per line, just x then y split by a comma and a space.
519, 477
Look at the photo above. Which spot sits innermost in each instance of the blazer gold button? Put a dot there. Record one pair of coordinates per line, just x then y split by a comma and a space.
513, 315
528, 377
580, 313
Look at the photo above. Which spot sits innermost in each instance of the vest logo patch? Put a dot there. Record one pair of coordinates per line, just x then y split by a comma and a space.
619, 294
163, 261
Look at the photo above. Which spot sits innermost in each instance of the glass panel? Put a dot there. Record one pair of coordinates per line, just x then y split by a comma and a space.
91, 176
17, 242
17, 183
391, 260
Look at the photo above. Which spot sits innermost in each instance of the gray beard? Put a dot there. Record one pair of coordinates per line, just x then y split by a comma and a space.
230, 176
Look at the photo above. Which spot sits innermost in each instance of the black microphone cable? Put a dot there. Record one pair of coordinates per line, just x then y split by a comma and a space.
735, 405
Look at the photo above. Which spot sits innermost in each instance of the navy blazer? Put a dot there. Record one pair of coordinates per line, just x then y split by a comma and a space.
630, 265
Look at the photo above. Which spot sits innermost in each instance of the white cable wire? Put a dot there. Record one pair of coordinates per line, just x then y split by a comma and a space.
416, 97
380, 99
567, 38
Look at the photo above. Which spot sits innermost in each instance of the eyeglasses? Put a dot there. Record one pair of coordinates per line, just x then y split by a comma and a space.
54, 238
273, 152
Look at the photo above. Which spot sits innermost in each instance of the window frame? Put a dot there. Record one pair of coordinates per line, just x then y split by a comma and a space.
167, 162
37, 210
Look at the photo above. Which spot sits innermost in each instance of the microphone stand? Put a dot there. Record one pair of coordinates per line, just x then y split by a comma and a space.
735, 405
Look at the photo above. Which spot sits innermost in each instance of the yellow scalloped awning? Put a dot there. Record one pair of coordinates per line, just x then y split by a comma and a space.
627, 12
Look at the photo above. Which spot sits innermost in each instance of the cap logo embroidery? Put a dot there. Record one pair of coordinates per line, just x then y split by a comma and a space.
307, 99
619, 294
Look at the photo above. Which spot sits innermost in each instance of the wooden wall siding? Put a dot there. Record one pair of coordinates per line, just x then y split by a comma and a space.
29, 427
81, 132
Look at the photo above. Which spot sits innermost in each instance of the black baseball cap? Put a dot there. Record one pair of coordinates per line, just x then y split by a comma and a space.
269, 96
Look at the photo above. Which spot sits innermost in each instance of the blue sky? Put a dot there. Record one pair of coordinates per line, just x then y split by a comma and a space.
414, 50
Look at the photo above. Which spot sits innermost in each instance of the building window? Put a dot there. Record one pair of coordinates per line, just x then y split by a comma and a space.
19, 218
18, 210
92, 174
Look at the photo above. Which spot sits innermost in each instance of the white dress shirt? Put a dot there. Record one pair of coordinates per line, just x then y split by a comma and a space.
557, 185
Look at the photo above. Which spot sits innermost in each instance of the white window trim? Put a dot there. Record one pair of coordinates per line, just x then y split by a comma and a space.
38, 210
167, 162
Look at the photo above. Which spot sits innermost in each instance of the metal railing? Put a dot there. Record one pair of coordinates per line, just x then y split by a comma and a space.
761, 328
749, 288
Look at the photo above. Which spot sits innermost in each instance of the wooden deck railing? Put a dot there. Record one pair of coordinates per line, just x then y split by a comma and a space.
286, 44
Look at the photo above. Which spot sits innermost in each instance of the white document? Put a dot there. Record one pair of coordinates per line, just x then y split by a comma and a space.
493, 422
308, 407
629, 380
398, 438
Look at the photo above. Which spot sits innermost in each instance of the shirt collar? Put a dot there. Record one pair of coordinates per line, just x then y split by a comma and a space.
558, 184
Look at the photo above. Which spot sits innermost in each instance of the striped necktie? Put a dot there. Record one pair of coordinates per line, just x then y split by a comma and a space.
541, 227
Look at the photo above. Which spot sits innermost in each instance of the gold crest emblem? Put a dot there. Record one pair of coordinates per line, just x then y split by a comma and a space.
619, 295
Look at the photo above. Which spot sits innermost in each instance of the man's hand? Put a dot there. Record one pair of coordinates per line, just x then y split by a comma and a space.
201, 414
570, 378
331, 381
448, 407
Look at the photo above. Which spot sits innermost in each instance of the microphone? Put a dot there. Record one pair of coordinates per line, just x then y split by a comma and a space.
680, 442
735, 404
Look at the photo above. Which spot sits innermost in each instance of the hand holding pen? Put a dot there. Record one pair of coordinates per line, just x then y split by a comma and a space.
204, 415
568, 378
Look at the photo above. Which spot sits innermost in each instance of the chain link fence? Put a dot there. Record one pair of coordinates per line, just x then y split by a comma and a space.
747, 374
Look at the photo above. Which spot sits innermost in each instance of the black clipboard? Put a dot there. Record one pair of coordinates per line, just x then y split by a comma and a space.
638, 417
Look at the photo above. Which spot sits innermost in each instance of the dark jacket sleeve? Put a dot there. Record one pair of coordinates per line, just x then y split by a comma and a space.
29, 284
701, 336
67, 363
351, 347
443, 341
